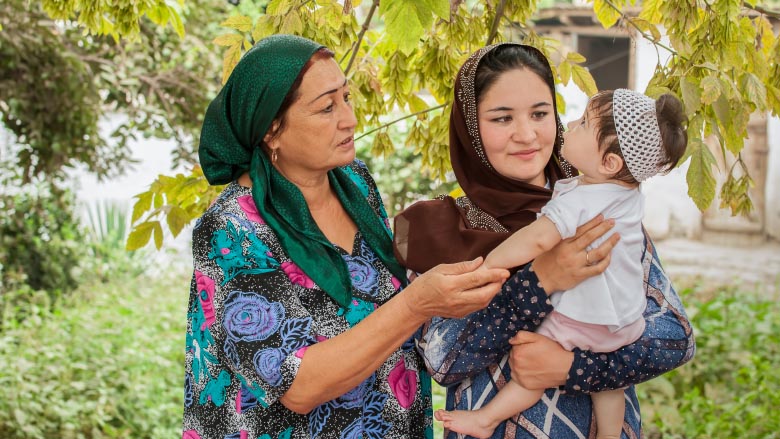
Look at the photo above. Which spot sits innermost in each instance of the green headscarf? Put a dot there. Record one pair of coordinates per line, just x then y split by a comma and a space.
233, 130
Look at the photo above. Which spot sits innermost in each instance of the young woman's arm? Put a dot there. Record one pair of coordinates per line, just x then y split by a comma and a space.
666, 344
455, 349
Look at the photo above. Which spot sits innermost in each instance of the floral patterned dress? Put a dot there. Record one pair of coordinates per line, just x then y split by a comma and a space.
253, 313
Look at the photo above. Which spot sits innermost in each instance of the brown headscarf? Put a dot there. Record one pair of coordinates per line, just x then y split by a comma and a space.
446, 230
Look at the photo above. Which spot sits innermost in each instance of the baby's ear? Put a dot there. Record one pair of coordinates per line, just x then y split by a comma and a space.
611, 164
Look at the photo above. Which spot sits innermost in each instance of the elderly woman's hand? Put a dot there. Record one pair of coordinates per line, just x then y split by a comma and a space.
538, 362
570, 263
454, 290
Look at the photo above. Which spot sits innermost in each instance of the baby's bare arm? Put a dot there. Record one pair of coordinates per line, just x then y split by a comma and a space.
524, 245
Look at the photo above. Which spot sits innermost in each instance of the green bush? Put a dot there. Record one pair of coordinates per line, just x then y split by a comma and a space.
730, 388
39, 247
107, 363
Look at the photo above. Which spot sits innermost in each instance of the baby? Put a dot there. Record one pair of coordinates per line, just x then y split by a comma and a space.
623, 138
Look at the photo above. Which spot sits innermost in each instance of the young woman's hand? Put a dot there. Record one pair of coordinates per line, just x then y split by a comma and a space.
570, 263
538, 362
454, 290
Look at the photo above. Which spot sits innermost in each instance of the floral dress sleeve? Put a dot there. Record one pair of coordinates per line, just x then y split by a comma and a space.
246, 322
456, 349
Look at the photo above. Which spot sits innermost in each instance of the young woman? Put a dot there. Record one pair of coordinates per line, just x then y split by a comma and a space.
505, 140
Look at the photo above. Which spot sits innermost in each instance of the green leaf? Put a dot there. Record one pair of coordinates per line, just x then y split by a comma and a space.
177, 218
574, 57
691, 95
651, 11
140, 235
241, 23
701, 183
417, 104
143, 204
584, 80
646, 26
158, 235
722, 110
605, 13
710, 86
406, 21
176, 22
278, 7
228, 40
232, 56
564, 71
440, 7
755, 90
292, 23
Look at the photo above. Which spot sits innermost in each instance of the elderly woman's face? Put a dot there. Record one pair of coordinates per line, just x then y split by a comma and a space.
517, 124
319, 125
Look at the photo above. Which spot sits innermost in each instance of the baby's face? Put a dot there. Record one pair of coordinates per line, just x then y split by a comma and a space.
580, 144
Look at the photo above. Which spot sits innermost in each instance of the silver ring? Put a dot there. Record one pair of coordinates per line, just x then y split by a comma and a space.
587, 258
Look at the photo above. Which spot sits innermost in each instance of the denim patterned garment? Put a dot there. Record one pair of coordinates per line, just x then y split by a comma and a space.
470, 357
253, 313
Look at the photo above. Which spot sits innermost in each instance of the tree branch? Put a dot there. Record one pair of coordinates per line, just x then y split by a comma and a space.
496, 21
762, 10
427, 110
356, 48
650, 38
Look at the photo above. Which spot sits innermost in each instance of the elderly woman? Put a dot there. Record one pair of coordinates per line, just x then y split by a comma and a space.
505, 141
300, 318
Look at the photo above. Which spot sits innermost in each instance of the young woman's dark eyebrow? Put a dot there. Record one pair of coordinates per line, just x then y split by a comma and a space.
330, 91
534, 106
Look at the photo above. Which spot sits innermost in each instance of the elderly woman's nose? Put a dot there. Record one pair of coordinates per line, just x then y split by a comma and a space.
348, 118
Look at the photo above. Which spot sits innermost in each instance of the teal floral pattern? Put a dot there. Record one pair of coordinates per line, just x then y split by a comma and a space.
253, 313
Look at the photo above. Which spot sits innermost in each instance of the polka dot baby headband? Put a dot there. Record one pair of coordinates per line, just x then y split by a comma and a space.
638, 133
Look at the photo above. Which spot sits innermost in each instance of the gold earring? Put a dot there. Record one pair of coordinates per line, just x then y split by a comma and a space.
274, 156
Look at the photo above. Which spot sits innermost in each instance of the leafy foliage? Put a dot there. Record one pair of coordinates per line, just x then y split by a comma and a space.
116, 17
730, 389
39, 245
725, 64
56, 84
106, 363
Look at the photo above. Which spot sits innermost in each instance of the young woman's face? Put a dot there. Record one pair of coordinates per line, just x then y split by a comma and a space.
517, 123
319, 125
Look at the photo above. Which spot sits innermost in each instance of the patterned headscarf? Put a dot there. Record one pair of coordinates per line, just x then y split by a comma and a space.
443, 230
230, 144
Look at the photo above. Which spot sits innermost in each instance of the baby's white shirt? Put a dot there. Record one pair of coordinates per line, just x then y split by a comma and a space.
616, 297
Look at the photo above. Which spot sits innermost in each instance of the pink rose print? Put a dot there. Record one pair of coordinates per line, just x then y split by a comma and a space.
299, 353
206, 296
403, 383
296, 275
249, 207
190, 434
396, 282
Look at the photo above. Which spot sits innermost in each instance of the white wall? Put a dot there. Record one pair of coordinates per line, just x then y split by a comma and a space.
772, 218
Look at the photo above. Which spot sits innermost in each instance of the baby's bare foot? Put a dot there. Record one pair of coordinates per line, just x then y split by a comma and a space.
472, 423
